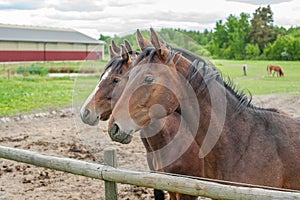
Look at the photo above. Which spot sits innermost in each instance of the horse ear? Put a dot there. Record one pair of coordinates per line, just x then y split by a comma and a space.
125, 55
159, 44
115, 47
128, 46
160, 39
143, 43
112, 53
154, 39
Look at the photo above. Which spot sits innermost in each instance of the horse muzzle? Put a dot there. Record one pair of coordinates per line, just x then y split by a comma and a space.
117, 135
88, 118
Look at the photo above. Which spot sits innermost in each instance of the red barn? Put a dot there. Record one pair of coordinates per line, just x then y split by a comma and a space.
25, 43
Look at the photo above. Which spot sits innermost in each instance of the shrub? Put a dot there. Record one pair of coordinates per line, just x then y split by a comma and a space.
33, 70
62, 70
252, 51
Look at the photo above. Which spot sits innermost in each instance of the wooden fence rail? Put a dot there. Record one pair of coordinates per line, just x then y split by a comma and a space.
145, 179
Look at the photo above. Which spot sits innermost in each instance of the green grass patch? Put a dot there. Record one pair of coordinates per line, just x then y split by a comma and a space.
42, 68
20, 95
257, 80
26, 89
33, 93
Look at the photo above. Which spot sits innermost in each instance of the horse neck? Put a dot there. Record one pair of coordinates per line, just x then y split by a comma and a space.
187, 54
162, 131
169, 139
218, 108
218, 104
182, 65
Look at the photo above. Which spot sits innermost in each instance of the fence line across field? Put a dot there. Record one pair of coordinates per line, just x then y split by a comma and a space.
171, 183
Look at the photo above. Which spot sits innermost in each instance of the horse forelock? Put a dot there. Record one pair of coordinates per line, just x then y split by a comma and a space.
144, 54
149, 53
115, 66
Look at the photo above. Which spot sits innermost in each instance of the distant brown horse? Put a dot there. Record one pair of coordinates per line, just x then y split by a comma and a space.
272, 69
242, 143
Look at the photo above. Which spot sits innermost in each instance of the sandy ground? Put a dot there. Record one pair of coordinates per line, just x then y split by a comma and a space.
61, 134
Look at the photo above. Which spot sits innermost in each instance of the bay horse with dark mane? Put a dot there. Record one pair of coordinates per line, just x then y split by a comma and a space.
272, 69
98, 106
239, 142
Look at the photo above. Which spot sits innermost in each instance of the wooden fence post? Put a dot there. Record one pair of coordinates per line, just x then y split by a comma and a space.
110, 158
8, 74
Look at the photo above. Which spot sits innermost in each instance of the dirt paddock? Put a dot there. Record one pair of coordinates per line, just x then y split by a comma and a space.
60, 133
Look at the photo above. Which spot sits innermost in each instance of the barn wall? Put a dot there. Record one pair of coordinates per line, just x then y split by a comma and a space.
37, 51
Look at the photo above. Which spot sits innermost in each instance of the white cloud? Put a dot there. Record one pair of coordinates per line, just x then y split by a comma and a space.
21, 4
76, 5
120, 17
261, 2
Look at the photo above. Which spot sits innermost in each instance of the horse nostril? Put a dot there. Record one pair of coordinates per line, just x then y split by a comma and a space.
86, 113
113, 129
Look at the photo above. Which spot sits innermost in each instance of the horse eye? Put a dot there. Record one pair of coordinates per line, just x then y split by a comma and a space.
116, 80
149, 79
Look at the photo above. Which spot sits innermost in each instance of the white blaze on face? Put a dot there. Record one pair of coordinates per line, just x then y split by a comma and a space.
104, 76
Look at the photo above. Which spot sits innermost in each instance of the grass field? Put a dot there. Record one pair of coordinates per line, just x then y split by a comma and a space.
257, 80
76, 66
33, 93
20, 95
37, 93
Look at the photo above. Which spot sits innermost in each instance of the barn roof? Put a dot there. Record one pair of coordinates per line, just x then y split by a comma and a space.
41, 34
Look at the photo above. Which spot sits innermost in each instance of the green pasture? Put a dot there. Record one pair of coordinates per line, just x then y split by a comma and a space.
84, 67
27, 93
257, 81
23, 95
33, 93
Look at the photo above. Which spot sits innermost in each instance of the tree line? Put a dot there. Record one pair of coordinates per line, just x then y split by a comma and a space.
238, 37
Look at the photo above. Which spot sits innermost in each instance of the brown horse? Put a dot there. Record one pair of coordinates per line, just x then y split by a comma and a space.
272, 69
156, 159
239, 142
98, 106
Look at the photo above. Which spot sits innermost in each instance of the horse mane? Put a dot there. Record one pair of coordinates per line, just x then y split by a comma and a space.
115, 64
151, 52
174, 50
145, 53
200, 75
201, 70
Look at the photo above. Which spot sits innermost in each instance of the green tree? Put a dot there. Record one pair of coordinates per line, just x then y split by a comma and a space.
262, 30
230, 39
219, 40
294, 31
237, 29
107, 40
252, 51
284, 48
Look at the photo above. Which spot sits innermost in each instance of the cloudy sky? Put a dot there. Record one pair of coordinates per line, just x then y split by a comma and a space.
120, 17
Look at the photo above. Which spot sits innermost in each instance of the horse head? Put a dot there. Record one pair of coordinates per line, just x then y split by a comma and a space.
150, 91
98, 104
